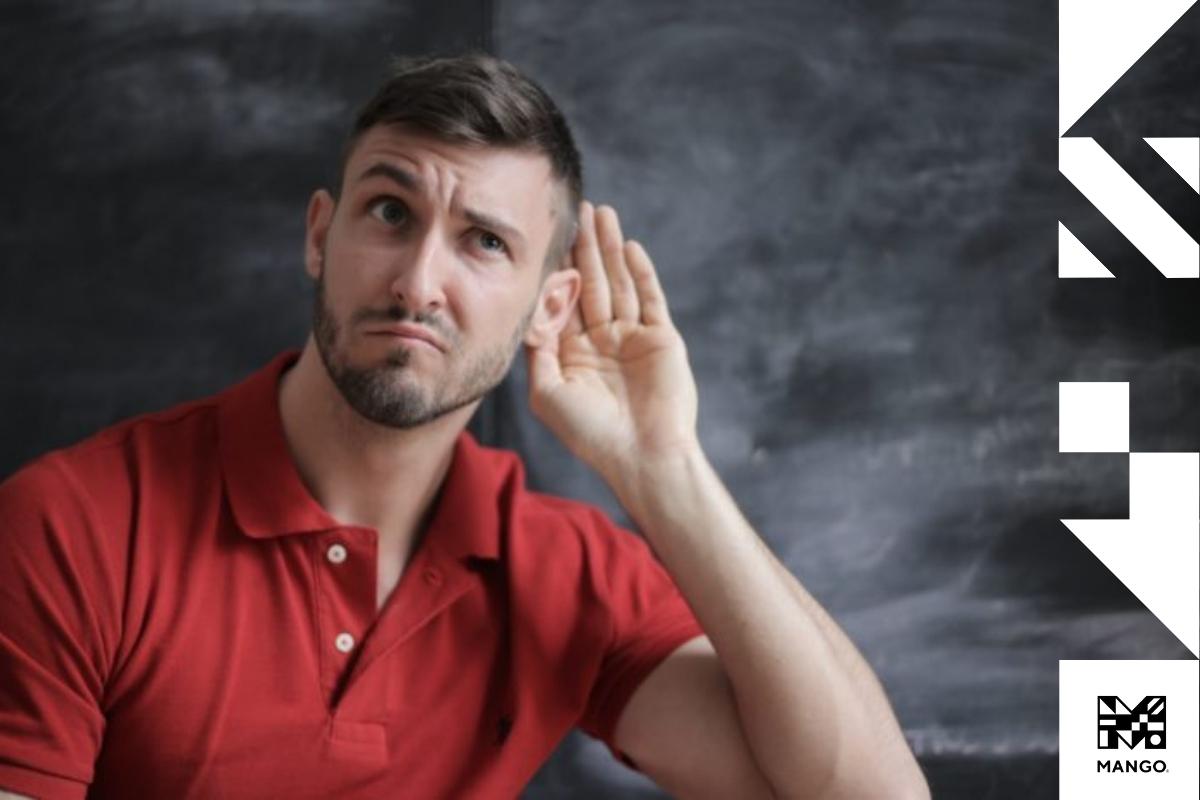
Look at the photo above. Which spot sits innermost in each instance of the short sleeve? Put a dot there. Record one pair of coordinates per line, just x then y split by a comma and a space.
51, 653
649, 618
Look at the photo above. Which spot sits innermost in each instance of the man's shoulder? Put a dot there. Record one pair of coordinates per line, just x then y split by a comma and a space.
547, 521
585, 518
575, 552
168, 428
115, 456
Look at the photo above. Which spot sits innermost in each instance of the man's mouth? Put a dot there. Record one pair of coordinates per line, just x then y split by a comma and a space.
413, 333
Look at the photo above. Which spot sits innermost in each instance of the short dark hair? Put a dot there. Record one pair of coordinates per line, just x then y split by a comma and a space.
478, 99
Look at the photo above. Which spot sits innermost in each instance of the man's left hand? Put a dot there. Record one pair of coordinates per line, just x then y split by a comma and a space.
615, 387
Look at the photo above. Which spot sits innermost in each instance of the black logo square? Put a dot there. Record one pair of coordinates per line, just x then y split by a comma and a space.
1144, 725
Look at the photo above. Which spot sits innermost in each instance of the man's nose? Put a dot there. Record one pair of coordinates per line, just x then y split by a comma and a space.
420, 274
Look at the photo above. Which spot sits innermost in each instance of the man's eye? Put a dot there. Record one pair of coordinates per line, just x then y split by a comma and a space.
491, 242
389, 211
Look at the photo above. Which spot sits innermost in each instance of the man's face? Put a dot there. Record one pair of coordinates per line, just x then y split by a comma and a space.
428, 271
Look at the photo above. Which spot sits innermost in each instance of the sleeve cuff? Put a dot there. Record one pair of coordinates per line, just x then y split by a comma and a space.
629, 668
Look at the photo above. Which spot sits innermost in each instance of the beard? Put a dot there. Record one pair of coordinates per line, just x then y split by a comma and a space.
390, 394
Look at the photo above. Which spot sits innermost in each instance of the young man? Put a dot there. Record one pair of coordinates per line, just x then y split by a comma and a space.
316, 584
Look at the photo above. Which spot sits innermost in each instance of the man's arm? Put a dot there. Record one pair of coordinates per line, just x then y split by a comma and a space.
780, 703
812, 714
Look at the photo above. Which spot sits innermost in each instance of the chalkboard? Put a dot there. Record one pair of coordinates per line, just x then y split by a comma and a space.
854, 210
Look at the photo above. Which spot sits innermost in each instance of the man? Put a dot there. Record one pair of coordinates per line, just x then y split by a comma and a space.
316, 584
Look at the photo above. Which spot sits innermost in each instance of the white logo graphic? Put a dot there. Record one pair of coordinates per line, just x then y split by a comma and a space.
1098, 41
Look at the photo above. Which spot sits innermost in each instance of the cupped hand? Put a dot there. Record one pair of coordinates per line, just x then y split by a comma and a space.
615, 386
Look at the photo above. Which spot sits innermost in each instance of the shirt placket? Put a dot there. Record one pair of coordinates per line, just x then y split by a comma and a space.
346, 571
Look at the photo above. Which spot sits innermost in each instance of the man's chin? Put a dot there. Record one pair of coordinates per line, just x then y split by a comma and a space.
394, 409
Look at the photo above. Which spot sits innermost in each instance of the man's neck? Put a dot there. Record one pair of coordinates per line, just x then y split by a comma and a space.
361, 472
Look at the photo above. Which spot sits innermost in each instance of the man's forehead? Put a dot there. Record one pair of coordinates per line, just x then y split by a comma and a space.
508, 173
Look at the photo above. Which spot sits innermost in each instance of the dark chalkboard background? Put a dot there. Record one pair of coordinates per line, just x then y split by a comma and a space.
854, 209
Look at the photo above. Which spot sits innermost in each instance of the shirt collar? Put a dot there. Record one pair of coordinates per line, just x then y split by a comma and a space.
268, 498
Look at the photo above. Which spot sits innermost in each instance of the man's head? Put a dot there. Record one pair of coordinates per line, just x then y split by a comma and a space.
482, 101
459, 192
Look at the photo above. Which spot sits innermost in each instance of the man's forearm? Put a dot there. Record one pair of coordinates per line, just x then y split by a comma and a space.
812, 711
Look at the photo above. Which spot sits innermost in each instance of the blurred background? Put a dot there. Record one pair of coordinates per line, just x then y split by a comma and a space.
853, 206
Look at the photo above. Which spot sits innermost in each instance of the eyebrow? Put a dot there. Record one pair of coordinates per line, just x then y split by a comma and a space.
414, 183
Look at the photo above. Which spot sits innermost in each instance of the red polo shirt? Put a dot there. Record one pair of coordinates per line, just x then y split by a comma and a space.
180, 618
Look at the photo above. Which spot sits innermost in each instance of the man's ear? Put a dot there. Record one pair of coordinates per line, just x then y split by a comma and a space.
316, 222
555, 305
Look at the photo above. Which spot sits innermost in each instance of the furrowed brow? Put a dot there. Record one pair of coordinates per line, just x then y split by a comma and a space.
397, 175
413, 183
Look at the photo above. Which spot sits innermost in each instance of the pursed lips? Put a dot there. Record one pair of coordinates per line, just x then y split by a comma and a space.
415, 333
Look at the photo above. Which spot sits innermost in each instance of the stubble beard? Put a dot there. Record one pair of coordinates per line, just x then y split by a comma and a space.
390, 394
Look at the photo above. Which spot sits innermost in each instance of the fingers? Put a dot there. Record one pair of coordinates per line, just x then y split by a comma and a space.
612, 250
651, 299
595, 301
618, 278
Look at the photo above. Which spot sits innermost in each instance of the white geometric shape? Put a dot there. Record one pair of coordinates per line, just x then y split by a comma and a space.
1164, 486
1158, 561
1127, 206
1075, 260
1093, 417
1182, 153
1098, 40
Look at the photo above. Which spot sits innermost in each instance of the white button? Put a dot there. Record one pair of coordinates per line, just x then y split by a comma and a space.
336, 554
344, 642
